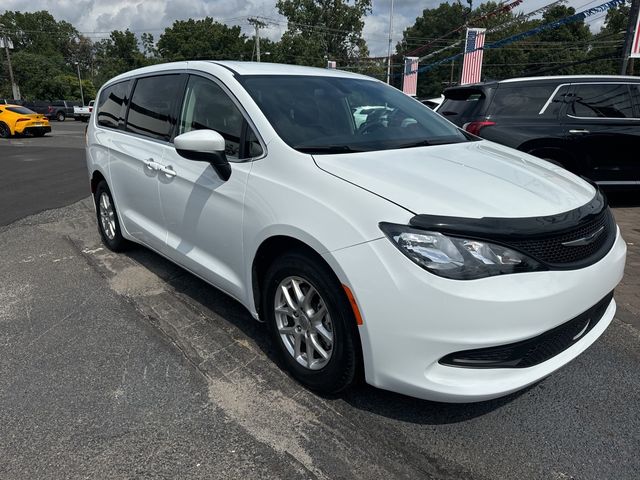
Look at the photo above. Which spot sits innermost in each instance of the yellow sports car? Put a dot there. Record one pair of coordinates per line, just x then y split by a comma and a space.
15, 119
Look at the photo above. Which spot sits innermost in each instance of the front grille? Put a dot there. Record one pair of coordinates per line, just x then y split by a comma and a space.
533, 351
551, 251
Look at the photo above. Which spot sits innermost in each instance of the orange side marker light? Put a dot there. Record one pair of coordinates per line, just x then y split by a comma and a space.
354, 304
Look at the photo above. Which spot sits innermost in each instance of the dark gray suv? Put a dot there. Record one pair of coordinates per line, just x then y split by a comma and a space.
588, 124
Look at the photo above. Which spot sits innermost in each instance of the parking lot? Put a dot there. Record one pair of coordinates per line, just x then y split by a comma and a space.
116, 366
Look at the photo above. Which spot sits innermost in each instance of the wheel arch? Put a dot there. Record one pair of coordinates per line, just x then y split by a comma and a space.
558, 152
268, 251
96, 177
274, 246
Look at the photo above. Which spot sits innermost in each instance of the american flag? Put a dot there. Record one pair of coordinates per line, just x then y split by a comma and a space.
410, 76
635, 46
472, 63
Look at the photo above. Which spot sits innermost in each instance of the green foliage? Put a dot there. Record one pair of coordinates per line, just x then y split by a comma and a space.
202, 39
117, 54
323, 29
39, 32
36, 74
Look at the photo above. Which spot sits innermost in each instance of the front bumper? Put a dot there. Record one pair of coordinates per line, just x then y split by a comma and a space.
413, 318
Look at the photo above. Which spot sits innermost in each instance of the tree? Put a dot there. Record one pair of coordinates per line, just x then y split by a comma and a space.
433, 27
117, 54
149, 45
202, 39
609, 42
36, 75
323, 29
39, 32
43, 49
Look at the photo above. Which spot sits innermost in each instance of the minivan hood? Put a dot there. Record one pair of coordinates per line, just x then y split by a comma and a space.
473, 179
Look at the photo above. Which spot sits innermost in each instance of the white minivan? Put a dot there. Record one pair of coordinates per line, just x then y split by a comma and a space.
441, 265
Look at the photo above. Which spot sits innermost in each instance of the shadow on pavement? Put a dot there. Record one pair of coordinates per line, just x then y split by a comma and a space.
361, 396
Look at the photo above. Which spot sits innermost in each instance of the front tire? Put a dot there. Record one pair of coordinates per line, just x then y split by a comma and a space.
108, 222
311, 323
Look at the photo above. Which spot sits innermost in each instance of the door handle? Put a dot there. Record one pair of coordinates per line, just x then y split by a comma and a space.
579, 132
151, 165
168, 171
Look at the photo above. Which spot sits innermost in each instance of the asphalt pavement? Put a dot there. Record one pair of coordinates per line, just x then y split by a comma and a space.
42, 173
121, 366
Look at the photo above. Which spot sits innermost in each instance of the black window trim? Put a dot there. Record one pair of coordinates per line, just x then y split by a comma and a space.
186, 72
571, 85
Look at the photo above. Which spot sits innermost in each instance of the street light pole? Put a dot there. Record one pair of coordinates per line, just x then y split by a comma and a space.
80, 83
14, 88
390, 41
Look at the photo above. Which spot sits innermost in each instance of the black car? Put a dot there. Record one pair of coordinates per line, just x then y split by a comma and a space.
590, 125
61, 109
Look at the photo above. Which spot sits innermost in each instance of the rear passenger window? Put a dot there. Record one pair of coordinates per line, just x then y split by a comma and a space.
207, 106
152, 111
524, 101
110, 112
601, 101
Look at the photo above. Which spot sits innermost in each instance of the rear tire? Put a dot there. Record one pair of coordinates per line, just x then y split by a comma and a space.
4, 130
312, 327
60, 116
108, 222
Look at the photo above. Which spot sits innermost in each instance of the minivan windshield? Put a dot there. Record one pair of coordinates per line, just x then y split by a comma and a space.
316, 114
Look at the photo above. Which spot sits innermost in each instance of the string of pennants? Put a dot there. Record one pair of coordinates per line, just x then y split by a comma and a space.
498, 28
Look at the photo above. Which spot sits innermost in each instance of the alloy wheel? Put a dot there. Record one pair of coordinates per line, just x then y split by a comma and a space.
304, 323
107, 216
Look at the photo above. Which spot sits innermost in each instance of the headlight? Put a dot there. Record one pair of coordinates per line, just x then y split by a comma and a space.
455, 257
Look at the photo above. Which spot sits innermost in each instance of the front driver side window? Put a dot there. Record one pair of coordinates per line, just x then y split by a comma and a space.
207, 106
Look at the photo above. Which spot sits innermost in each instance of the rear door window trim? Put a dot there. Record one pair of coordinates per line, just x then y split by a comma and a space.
550, 99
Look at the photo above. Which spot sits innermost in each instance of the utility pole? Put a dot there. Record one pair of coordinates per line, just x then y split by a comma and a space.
633, 20
258, 24
390, 41
80, 83
14, 87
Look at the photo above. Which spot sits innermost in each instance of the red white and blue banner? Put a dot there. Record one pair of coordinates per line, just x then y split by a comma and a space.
635, 46
410, 76
331, 64
473, 50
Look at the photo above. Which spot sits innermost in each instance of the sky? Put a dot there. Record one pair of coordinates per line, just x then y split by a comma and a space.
96, 18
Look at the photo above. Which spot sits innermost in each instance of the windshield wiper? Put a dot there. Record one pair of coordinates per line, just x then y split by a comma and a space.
325, 149
419, 143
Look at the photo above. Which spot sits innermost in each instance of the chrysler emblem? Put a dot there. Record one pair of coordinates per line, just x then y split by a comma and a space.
584, 240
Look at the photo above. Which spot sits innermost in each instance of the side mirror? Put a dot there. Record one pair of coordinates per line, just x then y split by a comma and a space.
204, 146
